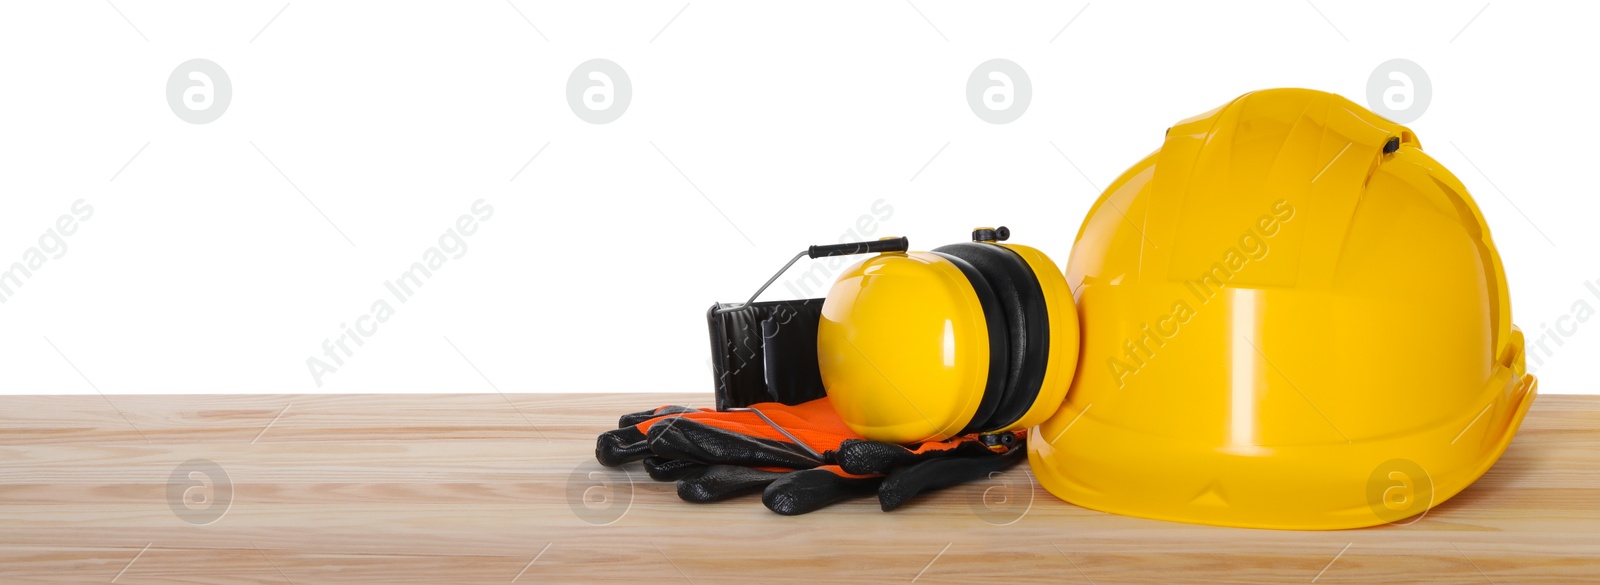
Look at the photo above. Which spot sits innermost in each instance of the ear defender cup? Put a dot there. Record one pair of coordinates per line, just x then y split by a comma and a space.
903, 346
1026, 330
971, 337
1061, 315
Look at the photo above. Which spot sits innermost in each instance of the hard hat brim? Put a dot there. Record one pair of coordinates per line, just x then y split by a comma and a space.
1100, 466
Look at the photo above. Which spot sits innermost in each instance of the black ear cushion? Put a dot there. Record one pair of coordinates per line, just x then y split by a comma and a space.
994, 320
1027, 330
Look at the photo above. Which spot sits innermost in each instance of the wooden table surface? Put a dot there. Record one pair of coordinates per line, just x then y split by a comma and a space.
504, 489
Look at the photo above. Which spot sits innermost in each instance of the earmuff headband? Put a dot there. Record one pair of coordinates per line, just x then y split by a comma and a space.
899, 244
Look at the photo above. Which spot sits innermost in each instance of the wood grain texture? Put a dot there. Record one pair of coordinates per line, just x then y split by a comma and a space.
491, 489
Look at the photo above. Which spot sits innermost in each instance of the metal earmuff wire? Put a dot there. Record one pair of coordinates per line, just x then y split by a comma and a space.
786, 433
899, 244
736, 306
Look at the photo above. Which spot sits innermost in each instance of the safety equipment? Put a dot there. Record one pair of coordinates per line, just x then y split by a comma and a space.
1292, 317
801, 458
971, 337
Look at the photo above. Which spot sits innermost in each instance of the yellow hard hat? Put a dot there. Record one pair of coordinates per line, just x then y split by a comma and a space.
1292, 317
977, 336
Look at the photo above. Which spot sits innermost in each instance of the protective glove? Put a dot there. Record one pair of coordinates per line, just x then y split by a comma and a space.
800, 457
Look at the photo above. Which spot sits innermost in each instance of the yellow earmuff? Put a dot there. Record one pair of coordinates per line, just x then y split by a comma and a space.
979, 336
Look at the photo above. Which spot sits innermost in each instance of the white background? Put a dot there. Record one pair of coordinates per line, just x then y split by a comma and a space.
205, 270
